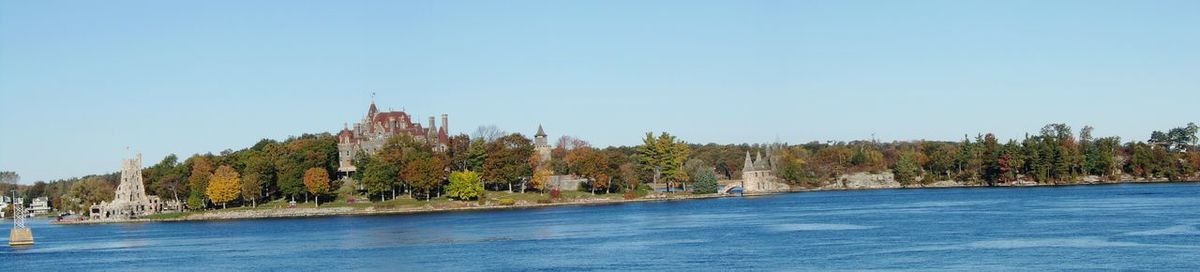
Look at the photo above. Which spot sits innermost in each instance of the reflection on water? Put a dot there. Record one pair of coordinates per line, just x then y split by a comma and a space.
1139, 227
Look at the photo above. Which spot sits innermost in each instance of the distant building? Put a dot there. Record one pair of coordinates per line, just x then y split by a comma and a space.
40, 206
130, 199
541, 145
374, 130
4, 201
757, 176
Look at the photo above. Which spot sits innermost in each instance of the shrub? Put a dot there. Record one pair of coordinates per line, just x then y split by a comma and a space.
507, 201
555, 194
544, 201
630, 195
644, 189
706, 183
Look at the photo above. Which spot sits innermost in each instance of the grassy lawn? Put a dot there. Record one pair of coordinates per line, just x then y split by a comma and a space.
401, 202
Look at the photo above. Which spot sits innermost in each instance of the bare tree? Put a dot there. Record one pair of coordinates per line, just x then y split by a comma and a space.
488, 133
567, 142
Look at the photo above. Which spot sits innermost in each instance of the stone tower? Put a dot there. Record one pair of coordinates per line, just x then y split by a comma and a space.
541, 145
129, 200
131, 189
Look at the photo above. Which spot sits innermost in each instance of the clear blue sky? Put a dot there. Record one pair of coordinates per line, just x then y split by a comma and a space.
81, 80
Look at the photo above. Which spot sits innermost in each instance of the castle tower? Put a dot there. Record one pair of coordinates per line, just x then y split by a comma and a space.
372, 111
749, 166
541, 145
446, 123
432, 130
759, 163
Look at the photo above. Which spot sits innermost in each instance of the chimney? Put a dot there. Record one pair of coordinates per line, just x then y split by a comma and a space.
432, 127
445, 121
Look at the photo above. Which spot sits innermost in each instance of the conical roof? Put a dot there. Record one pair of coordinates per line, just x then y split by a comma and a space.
749, 165
540, 132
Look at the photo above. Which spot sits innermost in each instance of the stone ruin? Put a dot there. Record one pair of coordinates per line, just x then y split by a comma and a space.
130, 199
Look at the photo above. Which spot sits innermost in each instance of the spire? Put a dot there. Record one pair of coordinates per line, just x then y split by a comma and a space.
749, 166
373, 110
540, 133
760, 164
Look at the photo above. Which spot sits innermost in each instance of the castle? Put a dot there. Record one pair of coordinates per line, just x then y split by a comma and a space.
377, 127
758, 176
130, 199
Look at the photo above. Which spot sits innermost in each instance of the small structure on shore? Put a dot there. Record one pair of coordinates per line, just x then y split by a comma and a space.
757, 177
130, 199
20, 235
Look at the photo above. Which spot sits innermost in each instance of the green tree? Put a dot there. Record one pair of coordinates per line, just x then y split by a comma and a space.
296, 155
86, 192
477, 155
941, 159
425, 174
167, 177
664, 157
1102, 157
378, 176
465, 185
906, 169
259, 170
706, 183
198, 180
994, 163
507, 160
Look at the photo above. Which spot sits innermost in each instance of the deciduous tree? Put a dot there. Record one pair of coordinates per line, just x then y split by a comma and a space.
425, 174
201, 172
507, 160
316, 179
465, 185
223, 186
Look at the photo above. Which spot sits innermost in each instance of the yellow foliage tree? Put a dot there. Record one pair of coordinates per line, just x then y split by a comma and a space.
224, 186
317, 181
541, 177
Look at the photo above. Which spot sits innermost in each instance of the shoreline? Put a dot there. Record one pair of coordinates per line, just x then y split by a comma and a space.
277, 213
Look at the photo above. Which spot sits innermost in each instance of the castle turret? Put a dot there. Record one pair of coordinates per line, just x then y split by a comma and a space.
759, 163
372, 111
432, 134
749, 166
446, 123
541, 145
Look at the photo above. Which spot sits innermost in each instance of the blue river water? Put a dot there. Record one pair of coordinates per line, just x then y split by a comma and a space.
1088, 228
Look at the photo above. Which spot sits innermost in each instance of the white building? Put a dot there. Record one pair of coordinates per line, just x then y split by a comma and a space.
4, 201
40, 206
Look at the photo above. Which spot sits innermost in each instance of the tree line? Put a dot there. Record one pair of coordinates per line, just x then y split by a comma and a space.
467, 167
